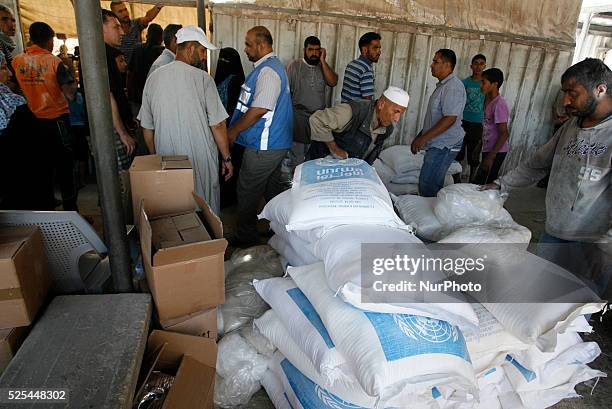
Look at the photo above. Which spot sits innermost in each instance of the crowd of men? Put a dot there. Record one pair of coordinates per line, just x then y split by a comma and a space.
254, 130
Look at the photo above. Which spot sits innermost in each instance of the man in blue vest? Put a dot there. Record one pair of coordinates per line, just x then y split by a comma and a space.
263, 124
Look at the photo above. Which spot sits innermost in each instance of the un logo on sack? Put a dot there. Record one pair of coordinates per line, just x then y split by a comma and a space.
332, 401
426, 329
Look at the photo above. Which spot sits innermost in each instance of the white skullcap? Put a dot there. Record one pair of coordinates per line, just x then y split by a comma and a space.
397, 95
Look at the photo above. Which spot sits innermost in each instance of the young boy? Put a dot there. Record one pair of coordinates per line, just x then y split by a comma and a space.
495, 129
473, 115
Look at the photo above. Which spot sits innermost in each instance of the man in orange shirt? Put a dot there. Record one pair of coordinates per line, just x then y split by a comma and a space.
47, 84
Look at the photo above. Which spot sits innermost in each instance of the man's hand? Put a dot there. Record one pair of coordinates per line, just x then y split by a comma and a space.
336, 151
417, 144
129, 142
490, 186
323, 55
487, 163
227, 170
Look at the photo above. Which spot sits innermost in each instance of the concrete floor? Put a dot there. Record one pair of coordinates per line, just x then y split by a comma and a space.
527, 208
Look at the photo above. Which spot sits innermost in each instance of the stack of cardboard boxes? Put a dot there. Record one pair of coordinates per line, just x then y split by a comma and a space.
24, 285
183, 256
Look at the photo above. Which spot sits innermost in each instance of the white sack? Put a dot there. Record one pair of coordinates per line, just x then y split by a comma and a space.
556, 372
303, 324
390, 353
385, 173
532, 278
278, 210
274, 388
406, 178
401, 159
340, 250
491, 338
289, 253
400, 190
330, 192
418, 212
304, 391
303, 248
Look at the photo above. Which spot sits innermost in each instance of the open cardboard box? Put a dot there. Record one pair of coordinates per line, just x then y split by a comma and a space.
201, 324
183, 278
165, 182
191, 360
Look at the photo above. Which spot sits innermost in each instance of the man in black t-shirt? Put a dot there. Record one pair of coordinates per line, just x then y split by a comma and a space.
122, 115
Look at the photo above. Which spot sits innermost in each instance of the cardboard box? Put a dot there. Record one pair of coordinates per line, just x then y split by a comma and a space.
192, 360
186, 276
24, 275
165, 182
201, 324
10, 341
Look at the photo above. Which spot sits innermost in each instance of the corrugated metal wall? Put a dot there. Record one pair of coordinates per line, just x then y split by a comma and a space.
532, 71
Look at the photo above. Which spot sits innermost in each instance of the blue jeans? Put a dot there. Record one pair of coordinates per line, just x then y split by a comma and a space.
435, 165
585, 260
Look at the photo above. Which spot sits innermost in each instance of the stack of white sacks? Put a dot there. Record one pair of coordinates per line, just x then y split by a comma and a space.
399, 170
334, 351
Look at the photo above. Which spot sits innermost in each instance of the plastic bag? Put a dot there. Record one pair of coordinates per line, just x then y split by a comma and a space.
255, 338
507, 233
463, 203
242, 303
239, 369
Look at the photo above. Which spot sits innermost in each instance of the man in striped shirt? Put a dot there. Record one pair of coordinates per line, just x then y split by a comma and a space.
132, 29
359, 76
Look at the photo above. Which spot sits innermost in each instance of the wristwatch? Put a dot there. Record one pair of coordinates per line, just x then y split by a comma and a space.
228, 159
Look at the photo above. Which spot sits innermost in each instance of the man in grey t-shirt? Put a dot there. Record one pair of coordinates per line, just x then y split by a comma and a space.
442, 134
308, 79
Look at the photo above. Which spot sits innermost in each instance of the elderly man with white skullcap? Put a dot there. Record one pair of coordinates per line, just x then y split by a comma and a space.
356, 129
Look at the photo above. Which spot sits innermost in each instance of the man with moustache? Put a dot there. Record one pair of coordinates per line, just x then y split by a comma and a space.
359, 74
442, 134
263, 124
309, 78
578, 231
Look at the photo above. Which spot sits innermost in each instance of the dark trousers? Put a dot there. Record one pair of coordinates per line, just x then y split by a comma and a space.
260, 175
472, 143
484, 176
57, 158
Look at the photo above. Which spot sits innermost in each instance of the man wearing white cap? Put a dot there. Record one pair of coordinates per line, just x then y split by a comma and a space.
182, 114
358, 128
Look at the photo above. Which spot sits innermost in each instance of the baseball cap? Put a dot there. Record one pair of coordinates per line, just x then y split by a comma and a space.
397, 95
193, 33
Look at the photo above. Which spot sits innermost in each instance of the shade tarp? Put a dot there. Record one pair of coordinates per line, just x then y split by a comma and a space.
59, 14
540, 19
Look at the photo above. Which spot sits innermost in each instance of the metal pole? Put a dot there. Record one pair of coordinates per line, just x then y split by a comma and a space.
580, 41
95, 76
20, 38
201, 4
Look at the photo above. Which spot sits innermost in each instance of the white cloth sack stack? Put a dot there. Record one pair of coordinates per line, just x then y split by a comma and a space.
399, 169
391, 354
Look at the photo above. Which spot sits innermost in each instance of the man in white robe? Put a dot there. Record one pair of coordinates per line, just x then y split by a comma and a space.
182, 114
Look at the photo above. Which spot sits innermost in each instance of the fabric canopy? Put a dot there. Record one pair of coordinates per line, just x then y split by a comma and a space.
59, 14
544, 19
